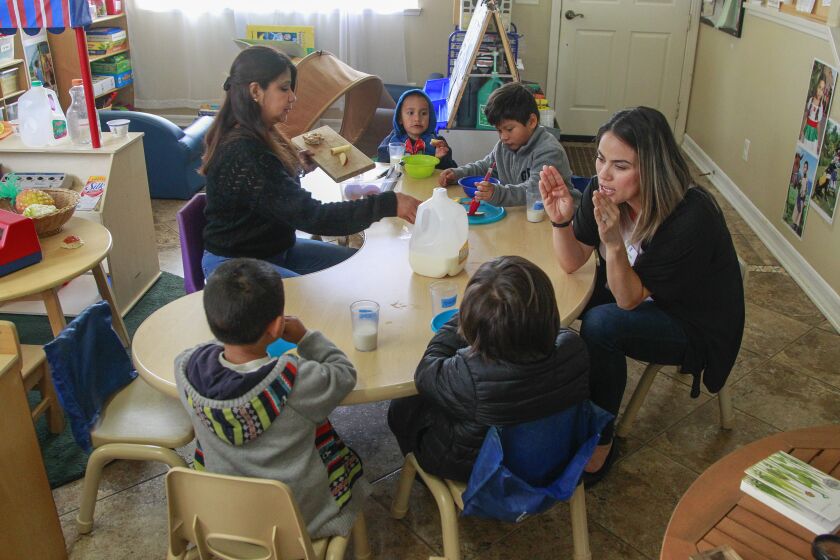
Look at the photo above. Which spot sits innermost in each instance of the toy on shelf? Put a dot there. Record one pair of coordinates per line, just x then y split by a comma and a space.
19, 246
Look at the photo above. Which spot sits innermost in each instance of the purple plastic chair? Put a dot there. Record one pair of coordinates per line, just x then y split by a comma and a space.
191, 230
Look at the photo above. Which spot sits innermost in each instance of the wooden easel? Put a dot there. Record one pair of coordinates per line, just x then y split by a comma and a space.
465, 61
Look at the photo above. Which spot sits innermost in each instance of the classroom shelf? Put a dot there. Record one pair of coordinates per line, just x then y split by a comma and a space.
101, 56
108, 19
104, 93
13, 94
10, 63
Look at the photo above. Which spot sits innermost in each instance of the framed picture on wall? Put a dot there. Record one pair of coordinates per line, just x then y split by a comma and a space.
726, 15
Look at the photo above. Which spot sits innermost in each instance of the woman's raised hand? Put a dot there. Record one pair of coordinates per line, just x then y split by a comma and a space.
558, 201
407, 207
608, 218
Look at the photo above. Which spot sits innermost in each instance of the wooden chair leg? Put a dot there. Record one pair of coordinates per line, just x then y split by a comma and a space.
55, 415
580, 527
361, 547
637, 400
727, 416
400, 505
336, 548
100, 457
448, 515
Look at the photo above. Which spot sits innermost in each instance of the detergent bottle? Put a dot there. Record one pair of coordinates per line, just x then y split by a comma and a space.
439, 245
41, 120
488, 88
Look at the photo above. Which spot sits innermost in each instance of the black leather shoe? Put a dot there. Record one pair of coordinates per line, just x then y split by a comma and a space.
590, 479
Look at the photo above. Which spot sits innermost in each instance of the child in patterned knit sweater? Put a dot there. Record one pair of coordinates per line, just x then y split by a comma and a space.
266, 417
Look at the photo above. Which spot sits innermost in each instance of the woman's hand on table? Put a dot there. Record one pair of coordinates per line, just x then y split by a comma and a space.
447, 177
407, 207
608, 218
306, 161
293, 329
558, 201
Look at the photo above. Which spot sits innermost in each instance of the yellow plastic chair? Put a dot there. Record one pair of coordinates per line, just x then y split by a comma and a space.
447, 495
35, 373
727, 417
238, 518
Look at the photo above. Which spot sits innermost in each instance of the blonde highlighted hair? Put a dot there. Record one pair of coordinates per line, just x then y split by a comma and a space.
664, 178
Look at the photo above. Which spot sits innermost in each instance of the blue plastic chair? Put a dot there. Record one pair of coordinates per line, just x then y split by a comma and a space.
580, 183
521, 470
110, 410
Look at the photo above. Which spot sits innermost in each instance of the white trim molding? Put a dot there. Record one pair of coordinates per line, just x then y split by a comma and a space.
806, 26
814, 286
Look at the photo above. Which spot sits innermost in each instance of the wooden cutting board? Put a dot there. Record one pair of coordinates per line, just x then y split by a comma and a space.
357, 162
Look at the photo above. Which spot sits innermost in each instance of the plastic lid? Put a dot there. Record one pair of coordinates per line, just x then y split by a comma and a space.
76, 82
36, 83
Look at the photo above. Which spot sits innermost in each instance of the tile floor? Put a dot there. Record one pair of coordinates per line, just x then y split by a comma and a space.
787, 376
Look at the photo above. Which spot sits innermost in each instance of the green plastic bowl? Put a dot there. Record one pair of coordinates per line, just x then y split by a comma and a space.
420, 166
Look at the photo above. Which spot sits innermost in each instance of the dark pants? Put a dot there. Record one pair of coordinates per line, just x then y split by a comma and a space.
304, 257
408, 420
612, 334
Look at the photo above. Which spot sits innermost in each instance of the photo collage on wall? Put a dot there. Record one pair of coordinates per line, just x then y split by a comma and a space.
813, 177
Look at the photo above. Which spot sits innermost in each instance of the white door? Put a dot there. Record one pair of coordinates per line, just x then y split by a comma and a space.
617, 53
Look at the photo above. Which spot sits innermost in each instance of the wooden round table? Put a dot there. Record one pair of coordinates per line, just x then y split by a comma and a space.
714, 511
62, 265
378, 271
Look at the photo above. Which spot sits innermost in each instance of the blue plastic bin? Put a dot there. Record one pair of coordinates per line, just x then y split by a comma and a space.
438, 91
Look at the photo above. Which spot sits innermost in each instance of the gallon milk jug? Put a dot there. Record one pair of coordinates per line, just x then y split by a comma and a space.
41, 119
439, 245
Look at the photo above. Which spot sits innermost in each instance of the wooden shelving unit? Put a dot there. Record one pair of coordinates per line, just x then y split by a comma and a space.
66, 60
9, 97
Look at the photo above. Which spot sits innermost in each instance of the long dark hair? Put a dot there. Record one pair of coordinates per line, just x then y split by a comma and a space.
240, 116
510, 311
664, 177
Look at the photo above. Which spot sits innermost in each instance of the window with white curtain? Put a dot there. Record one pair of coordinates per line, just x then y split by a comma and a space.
200, 7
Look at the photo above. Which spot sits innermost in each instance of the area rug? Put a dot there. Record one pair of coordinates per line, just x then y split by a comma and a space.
581, 157
64, 460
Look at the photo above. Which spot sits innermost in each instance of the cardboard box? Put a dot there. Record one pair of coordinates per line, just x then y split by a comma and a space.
123, 79
101, 84
7, 47
105, 34
112, 65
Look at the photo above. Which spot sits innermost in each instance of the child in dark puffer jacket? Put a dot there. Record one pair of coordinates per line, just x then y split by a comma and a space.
503, 360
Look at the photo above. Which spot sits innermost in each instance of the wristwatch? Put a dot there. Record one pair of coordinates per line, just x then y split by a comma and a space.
563, 224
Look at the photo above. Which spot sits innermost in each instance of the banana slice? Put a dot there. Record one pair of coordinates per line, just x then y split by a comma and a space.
340, 149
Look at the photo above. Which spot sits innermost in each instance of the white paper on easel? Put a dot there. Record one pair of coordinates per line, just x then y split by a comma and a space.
804, 6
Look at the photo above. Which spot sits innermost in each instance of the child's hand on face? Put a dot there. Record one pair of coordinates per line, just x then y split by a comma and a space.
447, 177
293, 330
484, 190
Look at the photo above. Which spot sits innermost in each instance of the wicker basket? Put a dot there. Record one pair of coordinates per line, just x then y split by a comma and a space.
65, 200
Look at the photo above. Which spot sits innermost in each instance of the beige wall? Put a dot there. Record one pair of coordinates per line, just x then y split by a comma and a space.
755, 87
427, 39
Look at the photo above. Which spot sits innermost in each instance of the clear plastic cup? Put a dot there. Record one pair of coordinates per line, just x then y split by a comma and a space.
396, 150
444, 296
119, 127
534, 207
364, 315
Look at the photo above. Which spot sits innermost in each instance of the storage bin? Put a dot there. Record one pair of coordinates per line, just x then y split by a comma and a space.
9, 81
7, 47
438, 90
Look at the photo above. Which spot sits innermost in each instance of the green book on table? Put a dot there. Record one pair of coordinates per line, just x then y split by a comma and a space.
797, 490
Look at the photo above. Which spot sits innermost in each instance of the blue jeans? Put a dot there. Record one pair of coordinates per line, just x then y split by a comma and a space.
612, 334
304, 257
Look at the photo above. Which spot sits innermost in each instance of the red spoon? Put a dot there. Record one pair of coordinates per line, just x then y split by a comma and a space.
475, 202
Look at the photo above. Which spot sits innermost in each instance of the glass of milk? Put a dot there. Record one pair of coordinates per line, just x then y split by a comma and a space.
396, 150
534, 208
365, 316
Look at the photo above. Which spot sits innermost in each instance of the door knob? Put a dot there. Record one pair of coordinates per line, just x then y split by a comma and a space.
572, 15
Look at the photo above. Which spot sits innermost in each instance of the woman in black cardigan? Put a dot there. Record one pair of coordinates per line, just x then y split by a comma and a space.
254, 198
668, 288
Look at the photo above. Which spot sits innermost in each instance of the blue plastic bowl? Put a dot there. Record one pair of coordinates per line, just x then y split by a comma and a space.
468, 184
